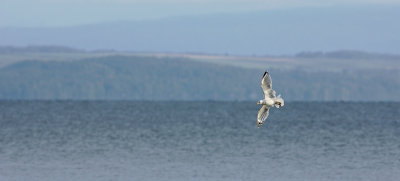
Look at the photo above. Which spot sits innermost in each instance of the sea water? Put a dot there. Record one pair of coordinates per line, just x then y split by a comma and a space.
184, 141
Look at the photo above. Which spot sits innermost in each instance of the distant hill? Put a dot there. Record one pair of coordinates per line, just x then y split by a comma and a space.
347, 54
276, 32
149, 78
38, 49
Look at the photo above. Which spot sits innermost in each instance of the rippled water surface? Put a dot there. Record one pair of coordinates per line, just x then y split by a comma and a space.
122, 140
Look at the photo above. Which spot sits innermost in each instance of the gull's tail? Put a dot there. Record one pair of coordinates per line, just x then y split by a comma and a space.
279, 102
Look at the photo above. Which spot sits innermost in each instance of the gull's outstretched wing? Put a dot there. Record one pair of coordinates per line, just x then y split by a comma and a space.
262, 114
266, 85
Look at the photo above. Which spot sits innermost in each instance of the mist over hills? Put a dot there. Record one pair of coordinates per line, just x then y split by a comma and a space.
116, 77
275, 32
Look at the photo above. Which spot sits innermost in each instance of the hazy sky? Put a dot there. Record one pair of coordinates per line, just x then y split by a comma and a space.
28, 13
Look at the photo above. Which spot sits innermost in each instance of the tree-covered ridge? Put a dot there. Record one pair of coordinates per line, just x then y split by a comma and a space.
149, 78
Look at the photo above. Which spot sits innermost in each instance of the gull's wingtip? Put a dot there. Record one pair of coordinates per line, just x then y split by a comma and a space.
266, 72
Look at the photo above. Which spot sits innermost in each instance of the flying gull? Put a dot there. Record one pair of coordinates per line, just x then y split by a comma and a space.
269, 99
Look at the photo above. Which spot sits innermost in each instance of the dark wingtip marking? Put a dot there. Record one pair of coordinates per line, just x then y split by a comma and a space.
266, 72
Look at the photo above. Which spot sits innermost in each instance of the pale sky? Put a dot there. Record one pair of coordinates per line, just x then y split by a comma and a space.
37, 13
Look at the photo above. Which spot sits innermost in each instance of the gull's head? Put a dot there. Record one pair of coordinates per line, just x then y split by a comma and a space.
259, 102
279, 102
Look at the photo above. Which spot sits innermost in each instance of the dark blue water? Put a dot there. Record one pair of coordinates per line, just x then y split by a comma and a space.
122, 140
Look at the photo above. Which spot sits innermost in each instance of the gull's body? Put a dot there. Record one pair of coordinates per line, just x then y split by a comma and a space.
269, 99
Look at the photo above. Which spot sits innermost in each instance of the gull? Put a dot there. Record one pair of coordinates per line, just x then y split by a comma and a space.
269, 99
